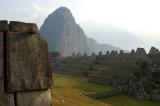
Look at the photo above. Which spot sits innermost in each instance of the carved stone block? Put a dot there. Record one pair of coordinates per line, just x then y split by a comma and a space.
17, 26
28, 67
37, 98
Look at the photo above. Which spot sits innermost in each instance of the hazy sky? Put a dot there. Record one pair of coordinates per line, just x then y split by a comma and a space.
141, 17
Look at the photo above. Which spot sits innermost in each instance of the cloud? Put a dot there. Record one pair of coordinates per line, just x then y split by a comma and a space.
35, 13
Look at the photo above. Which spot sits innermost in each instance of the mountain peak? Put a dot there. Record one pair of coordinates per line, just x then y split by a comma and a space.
64, 35
63, 11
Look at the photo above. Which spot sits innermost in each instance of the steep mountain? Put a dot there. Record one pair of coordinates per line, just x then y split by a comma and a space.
65, 36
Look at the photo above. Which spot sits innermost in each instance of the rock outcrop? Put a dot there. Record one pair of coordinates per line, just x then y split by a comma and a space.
64, 35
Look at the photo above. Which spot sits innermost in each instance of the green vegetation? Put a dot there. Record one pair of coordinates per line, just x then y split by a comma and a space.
105, 72
81, 83
89, 87
143, 64
123, 100
68, 91
74, 67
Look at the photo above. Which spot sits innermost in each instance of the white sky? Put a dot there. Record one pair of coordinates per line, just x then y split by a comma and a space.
136, 15
141, 17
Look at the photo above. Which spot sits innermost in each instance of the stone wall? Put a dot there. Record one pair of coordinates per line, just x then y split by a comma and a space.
114, 59
25, 76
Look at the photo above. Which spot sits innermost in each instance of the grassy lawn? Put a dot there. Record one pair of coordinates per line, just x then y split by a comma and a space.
123, 100
85, 86
68, 91
65, 93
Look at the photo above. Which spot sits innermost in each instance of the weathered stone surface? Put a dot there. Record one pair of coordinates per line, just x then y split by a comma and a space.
28, 67
140, 52
153, 50
16, 26
32, 28
5, 98
3, 26
37, 98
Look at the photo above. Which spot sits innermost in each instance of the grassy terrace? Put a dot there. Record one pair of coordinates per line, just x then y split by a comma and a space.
68, 92
123, 100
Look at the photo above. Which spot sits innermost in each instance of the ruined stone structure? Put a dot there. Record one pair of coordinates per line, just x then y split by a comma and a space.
136, 73
25, 76
115, 58
121, 58
112, 58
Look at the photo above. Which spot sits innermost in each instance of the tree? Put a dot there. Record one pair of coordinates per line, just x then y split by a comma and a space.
144, 64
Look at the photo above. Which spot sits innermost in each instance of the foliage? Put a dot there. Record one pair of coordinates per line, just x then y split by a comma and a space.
143, 64
123, 100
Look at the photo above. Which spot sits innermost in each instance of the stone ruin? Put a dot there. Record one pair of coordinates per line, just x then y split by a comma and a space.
114, 57
25, 76
119, 69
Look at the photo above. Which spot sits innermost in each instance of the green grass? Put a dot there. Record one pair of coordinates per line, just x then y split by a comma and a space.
74, 67
123, 100
67, 91
86, 86
81, 83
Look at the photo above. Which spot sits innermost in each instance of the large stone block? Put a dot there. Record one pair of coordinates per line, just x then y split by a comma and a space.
4, 26
16, 26
37, 98
32, 28
28, 67
5, 98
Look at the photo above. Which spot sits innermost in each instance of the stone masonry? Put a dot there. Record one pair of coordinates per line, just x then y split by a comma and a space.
25, 76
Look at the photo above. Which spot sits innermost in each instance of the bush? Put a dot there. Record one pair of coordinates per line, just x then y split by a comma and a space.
143, 64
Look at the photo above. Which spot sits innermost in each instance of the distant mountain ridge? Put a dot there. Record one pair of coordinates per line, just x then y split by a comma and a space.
111, 34
64, 35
